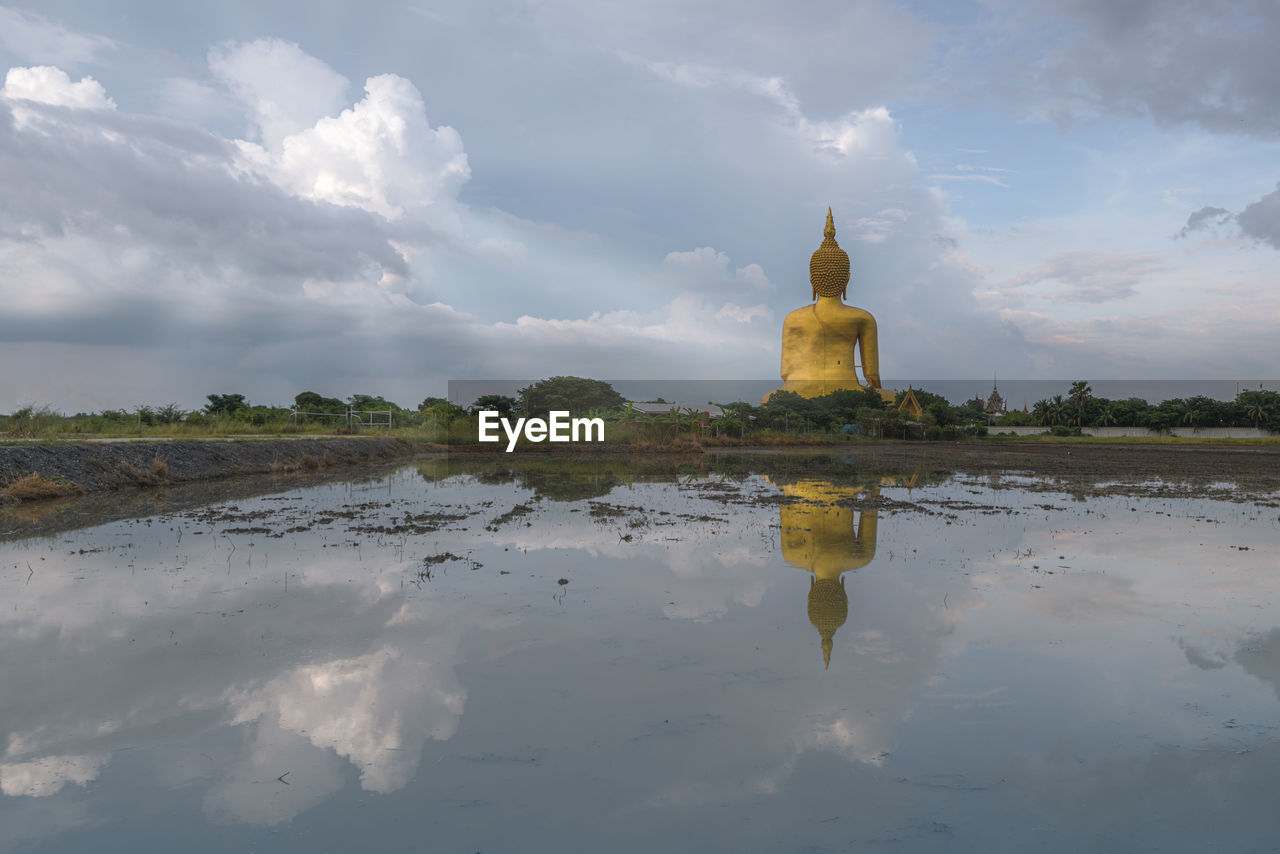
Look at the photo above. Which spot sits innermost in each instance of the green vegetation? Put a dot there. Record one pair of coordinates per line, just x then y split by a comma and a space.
570, 394
1259, 409
787, 418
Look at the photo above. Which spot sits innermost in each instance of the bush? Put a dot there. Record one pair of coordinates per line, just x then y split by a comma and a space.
156, 475
36, 486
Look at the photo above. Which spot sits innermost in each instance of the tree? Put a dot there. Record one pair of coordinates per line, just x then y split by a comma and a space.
371, 403
1079, 396
170, 413
310, 401
1259, 406
225, 404
569, 394
500, 403
441, 409
1015, 418
1058, 410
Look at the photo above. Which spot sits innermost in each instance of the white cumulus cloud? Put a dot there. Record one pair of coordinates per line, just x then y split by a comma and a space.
45, 84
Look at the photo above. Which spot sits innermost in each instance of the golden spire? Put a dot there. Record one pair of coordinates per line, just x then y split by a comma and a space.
829, 264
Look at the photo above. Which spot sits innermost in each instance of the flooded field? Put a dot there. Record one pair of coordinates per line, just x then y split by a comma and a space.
743, 654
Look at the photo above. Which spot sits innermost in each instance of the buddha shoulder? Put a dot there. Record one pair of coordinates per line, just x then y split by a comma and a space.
826, 313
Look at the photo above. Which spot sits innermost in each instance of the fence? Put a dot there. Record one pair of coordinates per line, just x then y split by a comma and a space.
352, 419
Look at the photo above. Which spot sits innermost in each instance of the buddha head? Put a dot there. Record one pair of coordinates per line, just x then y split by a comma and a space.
829, 265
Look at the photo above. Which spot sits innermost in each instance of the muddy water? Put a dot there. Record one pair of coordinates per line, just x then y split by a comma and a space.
591, 657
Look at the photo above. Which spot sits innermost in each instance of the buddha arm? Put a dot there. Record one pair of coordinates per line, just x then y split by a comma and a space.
792, 350
869, 349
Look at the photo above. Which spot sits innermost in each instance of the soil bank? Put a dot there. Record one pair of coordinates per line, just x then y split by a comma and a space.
97, 467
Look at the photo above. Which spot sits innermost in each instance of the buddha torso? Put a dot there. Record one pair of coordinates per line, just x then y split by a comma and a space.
825, 343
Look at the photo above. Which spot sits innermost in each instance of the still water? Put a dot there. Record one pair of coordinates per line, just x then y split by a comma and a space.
587, 657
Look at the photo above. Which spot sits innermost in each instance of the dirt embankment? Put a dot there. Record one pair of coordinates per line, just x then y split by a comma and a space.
96, 467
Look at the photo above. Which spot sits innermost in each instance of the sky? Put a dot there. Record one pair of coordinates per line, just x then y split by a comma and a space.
376, 198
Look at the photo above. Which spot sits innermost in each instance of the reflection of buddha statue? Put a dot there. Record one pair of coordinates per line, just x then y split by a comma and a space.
819, 535
822, 343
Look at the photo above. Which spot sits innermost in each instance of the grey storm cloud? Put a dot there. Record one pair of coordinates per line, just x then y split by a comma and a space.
1209, 64
1259, 221
1204, 218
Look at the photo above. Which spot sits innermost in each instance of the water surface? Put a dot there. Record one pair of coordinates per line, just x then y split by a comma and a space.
585, 656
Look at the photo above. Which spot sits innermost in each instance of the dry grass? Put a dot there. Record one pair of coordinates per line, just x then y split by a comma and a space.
309, 463
35, 487
156, 475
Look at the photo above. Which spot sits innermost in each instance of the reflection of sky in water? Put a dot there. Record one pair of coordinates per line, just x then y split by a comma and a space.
1017, 671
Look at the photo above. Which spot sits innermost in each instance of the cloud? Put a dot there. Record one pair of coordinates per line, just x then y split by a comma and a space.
1259, 221
993, 180
1204, 218
1180, 62
744, 314
705, 269
873, 49
46, 85
34, 38
1088, 277
380, 155
878, 228
284, 89
856, 132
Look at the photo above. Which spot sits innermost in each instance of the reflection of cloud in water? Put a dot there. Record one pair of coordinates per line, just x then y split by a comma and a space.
1259, 655
46, 775
246, 788
1093, 598
93, 666
712, 567
376, 710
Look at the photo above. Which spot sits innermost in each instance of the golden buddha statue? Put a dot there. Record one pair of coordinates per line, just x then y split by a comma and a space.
819, 535
823, 343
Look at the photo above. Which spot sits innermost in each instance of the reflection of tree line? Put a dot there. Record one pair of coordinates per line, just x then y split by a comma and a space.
561, 479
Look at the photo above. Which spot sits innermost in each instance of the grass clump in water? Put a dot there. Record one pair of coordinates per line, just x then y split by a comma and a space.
35, 487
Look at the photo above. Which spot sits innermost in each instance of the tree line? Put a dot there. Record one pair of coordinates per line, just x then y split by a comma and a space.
1079, 408
856, 412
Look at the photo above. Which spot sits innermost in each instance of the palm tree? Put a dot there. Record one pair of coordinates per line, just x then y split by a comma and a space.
1080, 394
1257, 413
1040, 413
1057, 409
